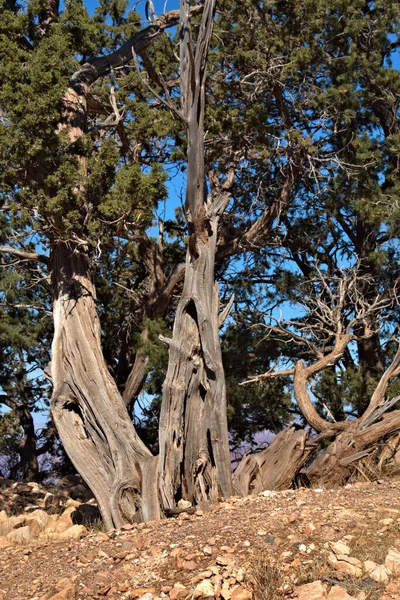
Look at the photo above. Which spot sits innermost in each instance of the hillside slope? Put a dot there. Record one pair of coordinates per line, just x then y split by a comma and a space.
305, 544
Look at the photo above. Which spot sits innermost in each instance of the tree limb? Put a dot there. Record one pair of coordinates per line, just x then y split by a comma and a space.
23, 254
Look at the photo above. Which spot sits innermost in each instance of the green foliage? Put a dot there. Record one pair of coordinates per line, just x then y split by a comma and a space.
301, 91
10, 436
253, 408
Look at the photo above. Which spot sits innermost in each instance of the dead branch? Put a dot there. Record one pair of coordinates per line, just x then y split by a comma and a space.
24, 255
378, 396
333, 306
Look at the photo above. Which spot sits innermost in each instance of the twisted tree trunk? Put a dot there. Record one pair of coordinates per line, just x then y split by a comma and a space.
194, 446
88, 410
28, 447
334, 466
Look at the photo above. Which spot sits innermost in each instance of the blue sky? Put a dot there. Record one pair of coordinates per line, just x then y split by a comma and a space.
160, 6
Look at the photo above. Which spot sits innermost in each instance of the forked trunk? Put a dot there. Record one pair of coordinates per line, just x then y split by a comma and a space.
194, 447
88, 410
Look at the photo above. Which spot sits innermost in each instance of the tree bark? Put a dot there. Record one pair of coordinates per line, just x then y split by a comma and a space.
88, 410
275, 467
194, 445
27, 450
333, 467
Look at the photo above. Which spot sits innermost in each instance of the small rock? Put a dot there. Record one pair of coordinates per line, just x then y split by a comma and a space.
347, 564
339, 593
142, 593
178, 592
378, 573
392, 560
386, 522
270, 539
68, 593
268, 493
21, 534
184, 517
309, 529
240, 593
340, 548
66, 520
311, 591
38, 516
225, 560
74, 533
184, 504
204, 589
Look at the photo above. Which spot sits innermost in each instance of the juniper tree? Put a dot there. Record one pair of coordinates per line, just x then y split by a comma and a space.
70, 173
260, 134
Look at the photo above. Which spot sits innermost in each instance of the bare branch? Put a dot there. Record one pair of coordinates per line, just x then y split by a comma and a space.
165, 102
24, 255
268, 375
378, 396
102, 65
224, 314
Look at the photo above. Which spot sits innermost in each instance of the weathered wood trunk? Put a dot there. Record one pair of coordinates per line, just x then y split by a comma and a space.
275, 467
27, 450
194, 446
334, 466
88, 410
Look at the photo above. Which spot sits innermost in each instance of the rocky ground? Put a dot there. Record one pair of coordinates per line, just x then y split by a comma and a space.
305, 544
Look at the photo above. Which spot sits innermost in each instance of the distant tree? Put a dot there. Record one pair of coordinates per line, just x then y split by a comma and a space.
25, 332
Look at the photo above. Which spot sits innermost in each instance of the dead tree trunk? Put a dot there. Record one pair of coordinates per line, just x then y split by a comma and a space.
358, 441
194, 446
27, 449
355, 439
275, 467
88, 410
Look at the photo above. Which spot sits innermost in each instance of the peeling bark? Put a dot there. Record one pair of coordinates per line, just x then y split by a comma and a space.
28, 447
88, 410
194, 446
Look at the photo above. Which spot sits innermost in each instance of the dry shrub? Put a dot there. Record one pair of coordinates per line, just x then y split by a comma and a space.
4, 529
362, 548
265, 578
